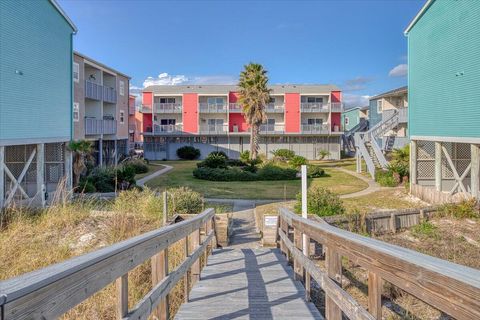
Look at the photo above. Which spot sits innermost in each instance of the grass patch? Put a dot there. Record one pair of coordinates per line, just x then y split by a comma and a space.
425, 229
220, 207
181, 175
152, 167
385, 199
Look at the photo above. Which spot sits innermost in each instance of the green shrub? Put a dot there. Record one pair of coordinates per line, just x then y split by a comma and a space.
245, 156
321, 201
184, 200
322, 154
188, 153
235, 163
386, 178
283, 154
125, 177
462, 210
272, 172
247, 173
297, 161
138, 165
213, 161
86, 185
103, 178
425, 229
218, 153
315, 172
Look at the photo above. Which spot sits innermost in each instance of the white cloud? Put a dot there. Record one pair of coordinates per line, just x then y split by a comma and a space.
165, 79
399, 71
355, 100
172, 80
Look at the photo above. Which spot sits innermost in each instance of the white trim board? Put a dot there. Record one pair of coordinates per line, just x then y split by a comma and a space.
474, 140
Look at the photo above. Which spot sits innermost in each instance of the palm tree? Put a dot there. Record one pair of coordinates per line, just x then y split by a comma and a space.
82, 150
254, 96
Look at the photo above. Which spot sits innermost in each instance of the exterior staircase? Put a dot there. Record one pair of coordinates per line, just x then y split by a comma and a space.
348, 138
368, 148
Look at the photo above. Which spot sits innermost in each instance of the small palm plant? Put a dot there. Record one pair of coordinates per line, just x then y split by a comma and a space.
254, 96
322, 154
82, 150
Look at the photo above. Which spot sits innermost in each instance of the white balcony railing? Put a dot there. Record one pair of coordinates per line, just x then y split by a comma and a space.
145, 109
402, 114
93, 90
99, 126
271, 107
336, 107
234, 107
316, 128
272, 128
213, 108
314, 107
214, 128
167, 128
167, 107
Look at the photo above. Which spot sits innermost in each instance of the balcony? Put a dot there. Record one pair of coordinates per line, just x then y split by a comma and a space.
316, 128
213, 128
213, 108
98, 126
272, 128
167, 129
271, 107
93, 90
109, 95
402, 114
336, 107
167, 107
235, 107
314, 107
145, 109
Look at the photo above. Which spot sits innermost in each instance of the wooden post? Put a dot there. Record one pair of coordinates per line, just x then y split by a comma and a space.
2, 176
422, 215
69, 168
297, 241
438, 166
393, 222
413, 163
194, 243
306, 252
207, 232
165, 208
475, 171
375, 295
282, 246
122, 296
41, 188
186, 278
334, 270
159, 272
359, 160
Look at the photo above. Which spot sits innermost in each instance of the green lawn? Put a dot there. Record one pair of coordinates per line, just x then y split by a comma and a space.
181, 175
152, 167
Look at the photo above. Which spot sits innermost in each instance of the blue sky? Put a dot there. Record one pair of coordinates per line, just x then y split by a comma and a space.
358, 45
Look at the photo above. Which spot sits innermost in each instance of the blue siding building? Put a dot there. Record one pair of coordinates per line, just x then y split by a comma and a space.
35, 98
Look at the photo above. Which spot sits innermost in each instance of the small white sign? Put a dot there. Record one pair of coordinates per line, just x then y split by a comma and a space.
271, 221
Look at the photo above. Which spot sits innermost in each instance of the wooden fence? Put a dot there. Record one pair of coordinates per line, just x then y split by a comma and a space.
52, 291
448, 287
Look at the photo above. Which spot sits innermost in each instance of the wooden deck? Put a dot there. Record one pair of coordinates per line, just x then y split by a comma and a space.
247, 284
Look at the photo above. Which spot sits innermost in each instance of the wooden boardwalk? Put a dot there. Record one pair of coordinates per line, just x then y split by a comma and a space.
247, 283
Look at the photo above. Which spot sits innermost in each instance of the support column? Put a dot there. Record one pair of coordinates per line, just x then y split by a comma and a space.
359, 160
115, 152
41, 187
475, 172
2, 177
413, 163
68, 168
438, 166
100, 152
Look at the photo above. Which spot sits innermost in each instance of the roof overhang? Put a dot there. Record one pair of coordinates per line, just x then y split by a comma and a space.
418, 16
65, 16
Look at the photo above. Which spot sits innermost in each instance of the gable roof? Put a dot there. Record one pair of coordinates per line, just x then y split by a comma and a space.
418, 16
60, 10
393, 92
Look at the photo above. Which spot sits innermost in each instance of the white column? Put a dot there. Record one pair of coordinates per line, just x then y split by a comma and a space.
413, 162
2, 176
438, 166
304, 206
475, 172
359, 160
100, 152
68, 169
41, 187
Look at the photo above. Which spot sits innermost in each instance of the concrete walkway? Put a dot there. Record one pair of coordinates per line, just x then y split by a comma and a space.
141, 182
372, 185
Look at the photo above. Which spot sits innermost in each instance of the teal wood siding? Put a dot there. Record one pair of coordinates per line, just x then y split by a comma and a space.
36, 41
353, 119
444, 71
373, 116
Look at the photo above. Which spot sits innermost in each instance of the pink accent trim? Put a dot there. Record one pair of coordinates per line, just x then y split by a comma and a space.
237, 119
336, 96
190, 112
292, 112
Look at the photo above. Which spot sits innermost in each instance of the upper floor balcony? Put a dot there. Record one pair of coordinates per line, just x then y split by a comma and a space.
314, 107
167, 129
315, 128
272, 128
98, 126
402, 114
145, 109
270, 107
109, 94
336, 107
206, 107
213, 128
167, 107
98, 92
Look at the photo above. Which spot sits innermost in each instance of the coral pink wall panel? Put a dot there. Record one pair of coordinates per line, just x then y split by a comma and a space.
336, 96
238, 120
292, 112
147, 121
190, 112
336, 120
233, 97
147, 98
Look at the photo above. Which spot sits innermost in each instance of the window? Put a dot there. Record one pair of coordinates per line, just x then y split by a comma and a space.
315, 121
122, 117
122, 88
76, 72
167, 100
213, 122
76, 112
379, 106
347, 121
312, 99
216, 101
271, 122
165, 122
272, 100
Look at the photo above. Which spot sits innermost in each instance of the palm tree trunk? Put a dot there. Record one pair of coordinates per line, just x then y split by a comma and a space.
254, 142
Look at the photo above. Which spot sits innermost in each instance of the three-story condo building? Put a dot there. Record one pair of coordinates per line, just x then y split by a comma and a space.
35, 100
101, 108
302, 118
444, 98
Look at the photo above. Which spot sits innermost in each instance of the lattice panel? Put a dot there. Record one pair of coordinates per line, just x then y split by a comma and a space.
461, 166
447, 172
54, 152
54, 172
463, 151
425, 150
426, 169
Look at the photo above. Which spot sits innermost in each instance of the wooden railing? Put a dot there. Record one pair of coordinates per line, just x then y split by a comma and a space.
50, 292
448, 287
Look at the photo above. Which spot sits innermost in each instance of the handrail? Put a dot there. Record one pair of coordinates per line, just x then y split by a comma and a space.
378, 153
451, 288
49, 292
368, 160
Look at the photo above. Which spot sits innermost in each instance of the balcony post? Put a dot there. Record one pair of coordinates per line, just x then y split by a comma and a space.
475, 173
41, 188
100, 152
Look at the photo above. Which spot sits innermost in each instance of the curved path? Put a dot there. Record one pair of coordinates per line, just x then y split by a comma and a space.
141, 182
372, 185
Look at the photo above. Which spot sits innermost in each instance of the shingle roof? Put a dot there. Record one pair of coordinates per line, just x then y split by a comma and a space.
224, 89
391, 93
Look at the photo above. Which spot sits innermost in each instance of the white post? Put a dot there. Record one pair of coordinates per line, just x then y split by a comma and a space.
69, 168
2, 177
41, 187
438, 166
304, 206
413, 163
475, 173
